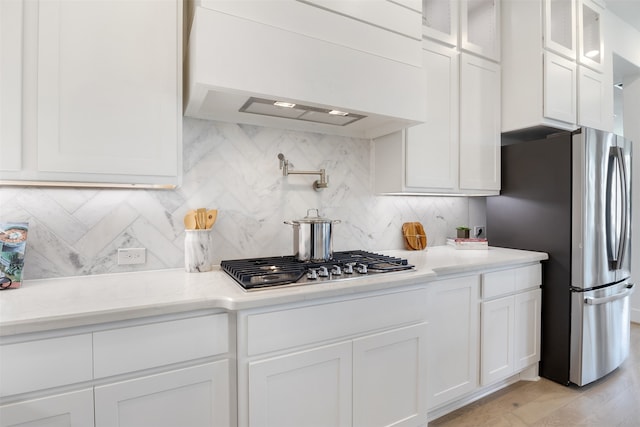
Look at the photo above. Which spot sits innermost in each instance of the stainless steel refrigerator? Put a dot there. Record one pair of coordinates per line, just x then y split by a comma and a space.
569, 195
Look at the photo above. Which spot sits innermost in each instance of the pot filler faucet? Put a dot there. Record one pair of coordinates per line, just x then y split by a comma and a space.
318, 185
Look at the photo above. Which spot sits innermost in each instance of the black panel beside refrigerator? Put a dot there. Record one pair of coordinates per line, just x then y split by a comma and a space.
551, 202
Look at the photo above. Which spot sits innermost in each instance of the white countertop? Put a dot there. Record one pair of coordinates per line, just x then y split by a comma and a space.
47, 304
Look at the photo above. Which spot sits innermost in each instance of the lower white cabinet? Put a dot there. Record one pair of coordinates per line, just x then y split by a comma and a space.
453, 355
355, 362
510, 325
161, 371
498, 318
389, 378
74, 409
311, 387
197, 396
376, 380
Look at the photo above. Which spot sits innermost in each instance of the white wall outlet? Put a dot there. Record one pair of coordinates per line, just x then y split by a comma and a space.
479, 232
132, 256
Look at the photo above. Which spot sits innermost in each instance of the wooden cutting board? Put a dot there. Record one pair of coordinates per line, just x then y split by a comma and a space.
415, 237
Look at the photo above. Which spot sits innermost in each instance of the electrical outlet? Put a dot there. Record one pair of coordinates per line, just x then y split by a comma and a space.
479, 231
131, 256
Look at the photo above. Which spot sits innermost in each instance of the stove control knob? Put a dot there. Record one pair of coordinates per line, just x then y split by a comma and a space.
311, 274
348, 269
362, 268
336, 271
323, 272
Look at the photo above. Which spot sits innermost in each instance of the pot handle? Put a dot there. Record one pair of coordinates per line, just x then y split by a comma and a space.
290, 223
311, 210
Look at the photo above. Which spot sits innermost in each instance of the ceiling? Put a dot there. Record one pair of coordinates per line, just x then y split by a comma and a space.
627, 10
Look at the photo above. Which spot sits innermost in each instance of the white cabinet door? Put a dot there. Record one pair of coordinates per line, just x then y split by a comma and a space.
308, 388
559, 92
559, 26
11, 84
109, 85
595, 94
480, 27
74, 409
497, 355
389, 378
527, 328
453, 353
432, 147
197, 396
590, 35
479, 124
440, 20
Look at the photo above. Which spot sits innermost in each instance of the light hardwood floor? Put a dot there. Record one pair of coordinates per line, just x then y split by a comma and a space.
610, 401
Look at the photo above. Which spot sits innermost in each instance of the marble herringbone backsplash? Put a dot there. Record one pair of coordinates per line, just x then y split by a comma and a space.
233, 168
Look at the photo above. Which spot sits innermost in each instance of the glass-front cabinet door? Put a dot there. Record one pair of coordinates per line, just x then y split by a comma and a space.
480, 27
440, 20
560, 27
590, 40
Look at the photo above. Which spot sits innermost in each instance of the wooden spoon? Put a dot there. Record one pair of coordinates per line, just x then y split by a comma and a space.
190, 220
211, 217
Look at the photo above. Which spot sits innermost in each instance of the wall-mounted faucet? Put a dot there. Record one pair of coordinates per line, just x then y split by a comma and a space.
318, 185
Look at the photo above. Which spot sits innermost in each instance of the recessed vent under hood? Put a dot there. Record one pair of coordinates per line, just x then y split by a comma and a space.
289, 110
235, 65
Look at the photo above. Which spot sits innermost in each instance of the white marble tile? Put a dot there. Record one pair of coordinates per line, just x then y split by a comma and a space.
233, 168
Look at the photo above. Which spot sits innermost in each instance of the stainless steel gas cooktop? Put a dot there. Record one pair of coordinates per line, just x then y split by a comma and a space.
261, 273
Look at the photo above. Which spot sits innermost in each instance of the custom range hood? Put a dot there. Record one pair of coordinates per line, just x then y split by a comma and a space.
243, 71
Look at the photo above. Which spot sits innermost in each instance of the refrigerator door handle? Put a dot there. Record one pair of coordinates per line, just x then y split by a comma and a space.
596, 301
617, 154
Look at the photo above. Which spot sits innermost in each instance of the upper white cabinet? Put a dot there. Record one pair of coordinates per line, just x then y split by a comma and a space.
479, 125
559, 27
11, 84
573, 86
473, 25
440, 20
102, 93
480, 27
590, 31
457, 150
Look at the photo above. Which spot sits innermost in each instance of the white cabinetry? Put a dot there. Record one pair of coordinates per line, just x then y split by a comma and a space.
510, 325
480, 27
338, 363
150, 372
102, 93
457, 151
574, 84
307, 387
452, 362
11, 84
73, 409
197, 396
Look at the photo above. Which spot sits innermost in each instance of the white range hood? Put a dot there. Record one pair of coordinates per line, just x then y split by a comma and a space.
237, 68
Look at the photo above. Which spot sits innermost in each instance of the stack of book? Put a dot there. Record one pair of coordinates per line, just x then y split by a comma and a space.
468, 243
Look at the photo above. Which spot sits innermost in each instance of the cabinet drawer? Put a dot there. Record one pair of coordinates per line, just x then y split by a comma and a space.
305, 325
36, 365
505, 282
140, 347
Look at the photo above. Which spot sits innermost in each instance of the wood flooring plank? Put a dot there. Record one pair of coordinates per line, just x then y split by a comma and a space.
613, 401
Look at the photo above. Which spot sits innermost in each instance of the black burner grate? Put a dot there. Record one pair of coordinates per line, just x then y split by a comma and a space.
256, 273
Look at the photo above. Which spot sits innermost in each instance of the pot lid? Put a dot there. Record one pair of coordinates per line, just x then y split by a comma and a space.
313, 219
